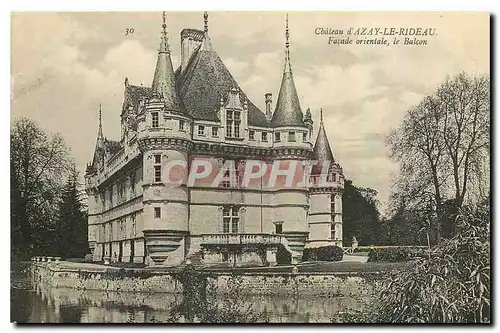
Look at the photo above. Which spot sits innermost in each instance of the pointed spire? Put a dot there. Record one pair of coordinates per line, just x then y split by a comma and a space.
99, 133
205, 19
322, 150
206, 43
163, 80
288, 111
288, 63
164, 39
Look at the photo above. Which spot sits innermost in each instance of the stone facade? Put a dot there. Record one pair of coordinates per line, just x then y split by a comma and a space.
199, 112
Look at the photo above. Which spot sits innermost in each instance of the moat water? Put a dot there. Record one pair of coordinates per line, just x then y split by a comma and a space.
34, 303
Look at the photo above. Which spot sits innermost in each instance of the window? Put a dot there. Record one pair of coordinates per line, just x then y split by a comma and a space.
304, 137
226, 180
157, 212
181, 125
332, 205
233, 121
215, 131
231, 219
225, 256
278, 228
201, 130
264, 136
251, 135
157, 168
277, 137
332, 232
155, 120
291, 136
157, 173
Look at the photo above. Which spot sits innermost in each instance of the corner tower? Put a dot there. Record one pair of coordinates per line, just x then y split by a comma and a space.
164, 135
327, 179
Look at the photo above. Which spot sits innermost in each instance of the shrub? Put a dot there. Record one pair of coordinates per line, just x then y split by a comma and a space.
395, 253
323, 253
283, 257
450, 285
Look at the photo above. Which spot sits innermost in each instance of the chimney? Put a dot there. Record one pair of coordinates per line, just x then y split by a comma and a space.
190, 40
269, 100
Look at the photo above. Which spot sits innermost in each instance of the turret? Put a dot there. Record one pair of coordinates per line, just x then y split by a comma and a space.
287, 119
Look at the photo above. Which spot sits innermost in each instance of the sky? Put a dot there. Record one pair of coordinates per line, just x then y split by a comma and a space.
63, 65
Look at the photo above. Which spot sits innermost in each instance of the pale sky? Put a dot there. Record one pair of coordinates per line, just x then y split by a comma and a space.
65, 64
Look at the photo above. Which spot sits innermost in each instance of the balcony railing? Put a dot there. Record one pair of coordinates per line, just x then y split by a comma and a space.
241, 239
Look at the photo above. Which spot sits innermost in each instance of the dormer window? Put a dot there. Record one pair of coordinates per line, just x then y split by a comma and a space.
201, 130
155, 120
277, 137
251, 135
233, 121
264, 136
291, 136
215, 131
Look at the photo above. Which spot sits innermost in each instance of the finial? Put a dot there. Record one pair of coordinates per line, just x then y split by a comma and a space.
100, 120
205, 18
164, 43
321, 116
287, 46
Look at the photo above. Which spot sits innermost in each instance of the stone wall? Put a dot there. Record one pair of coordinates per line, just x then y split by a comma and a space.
141, 280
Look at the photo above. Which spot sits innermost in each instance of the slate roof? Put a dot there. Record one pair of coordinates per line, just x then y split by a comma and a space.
133, 96
322, 150
288, 111
205, 80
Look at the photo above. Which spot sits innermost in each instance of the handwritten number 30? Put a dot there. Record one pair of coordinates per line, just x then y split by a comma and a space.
129, 31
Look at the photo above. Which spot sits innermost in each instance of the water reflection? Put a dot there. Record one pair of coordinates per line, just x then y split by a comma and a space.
34, 303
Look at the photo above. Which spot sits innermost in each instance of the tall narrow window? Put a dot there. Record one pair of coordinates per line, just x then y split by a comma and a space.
251, 135
155, 120
231, 219
332, 232
215, 131
226, 180
264, 136
229, 123
157, 168
181, 125
332, 205
237, 122
233, 121
304, 137
157, 212
277, 137
291, 136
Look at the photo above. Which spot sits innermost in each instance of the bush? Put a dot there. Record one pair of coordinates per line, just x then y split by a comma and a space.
395, 253
283, 257
323, 253
450, 285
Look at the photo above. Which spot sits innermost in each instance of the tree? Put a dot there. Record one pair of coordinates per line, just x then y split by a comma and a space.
361, 218
37, 162
71, 229
442, 147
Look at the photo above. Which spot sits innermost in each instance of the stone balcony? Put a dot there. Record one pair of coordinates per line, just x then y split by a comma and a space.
240, 239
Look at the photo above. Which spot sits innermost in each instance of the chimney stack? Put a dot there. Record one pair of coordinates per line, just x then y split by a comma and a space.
269, 100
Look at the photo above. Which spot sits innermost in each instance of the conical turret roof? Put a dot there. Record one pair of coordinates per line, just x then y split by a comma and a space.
163, 80
288, 111
322, 151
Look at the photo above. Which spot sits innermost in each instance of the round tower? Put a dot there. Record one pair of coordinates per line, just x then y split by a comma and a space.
164, 137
